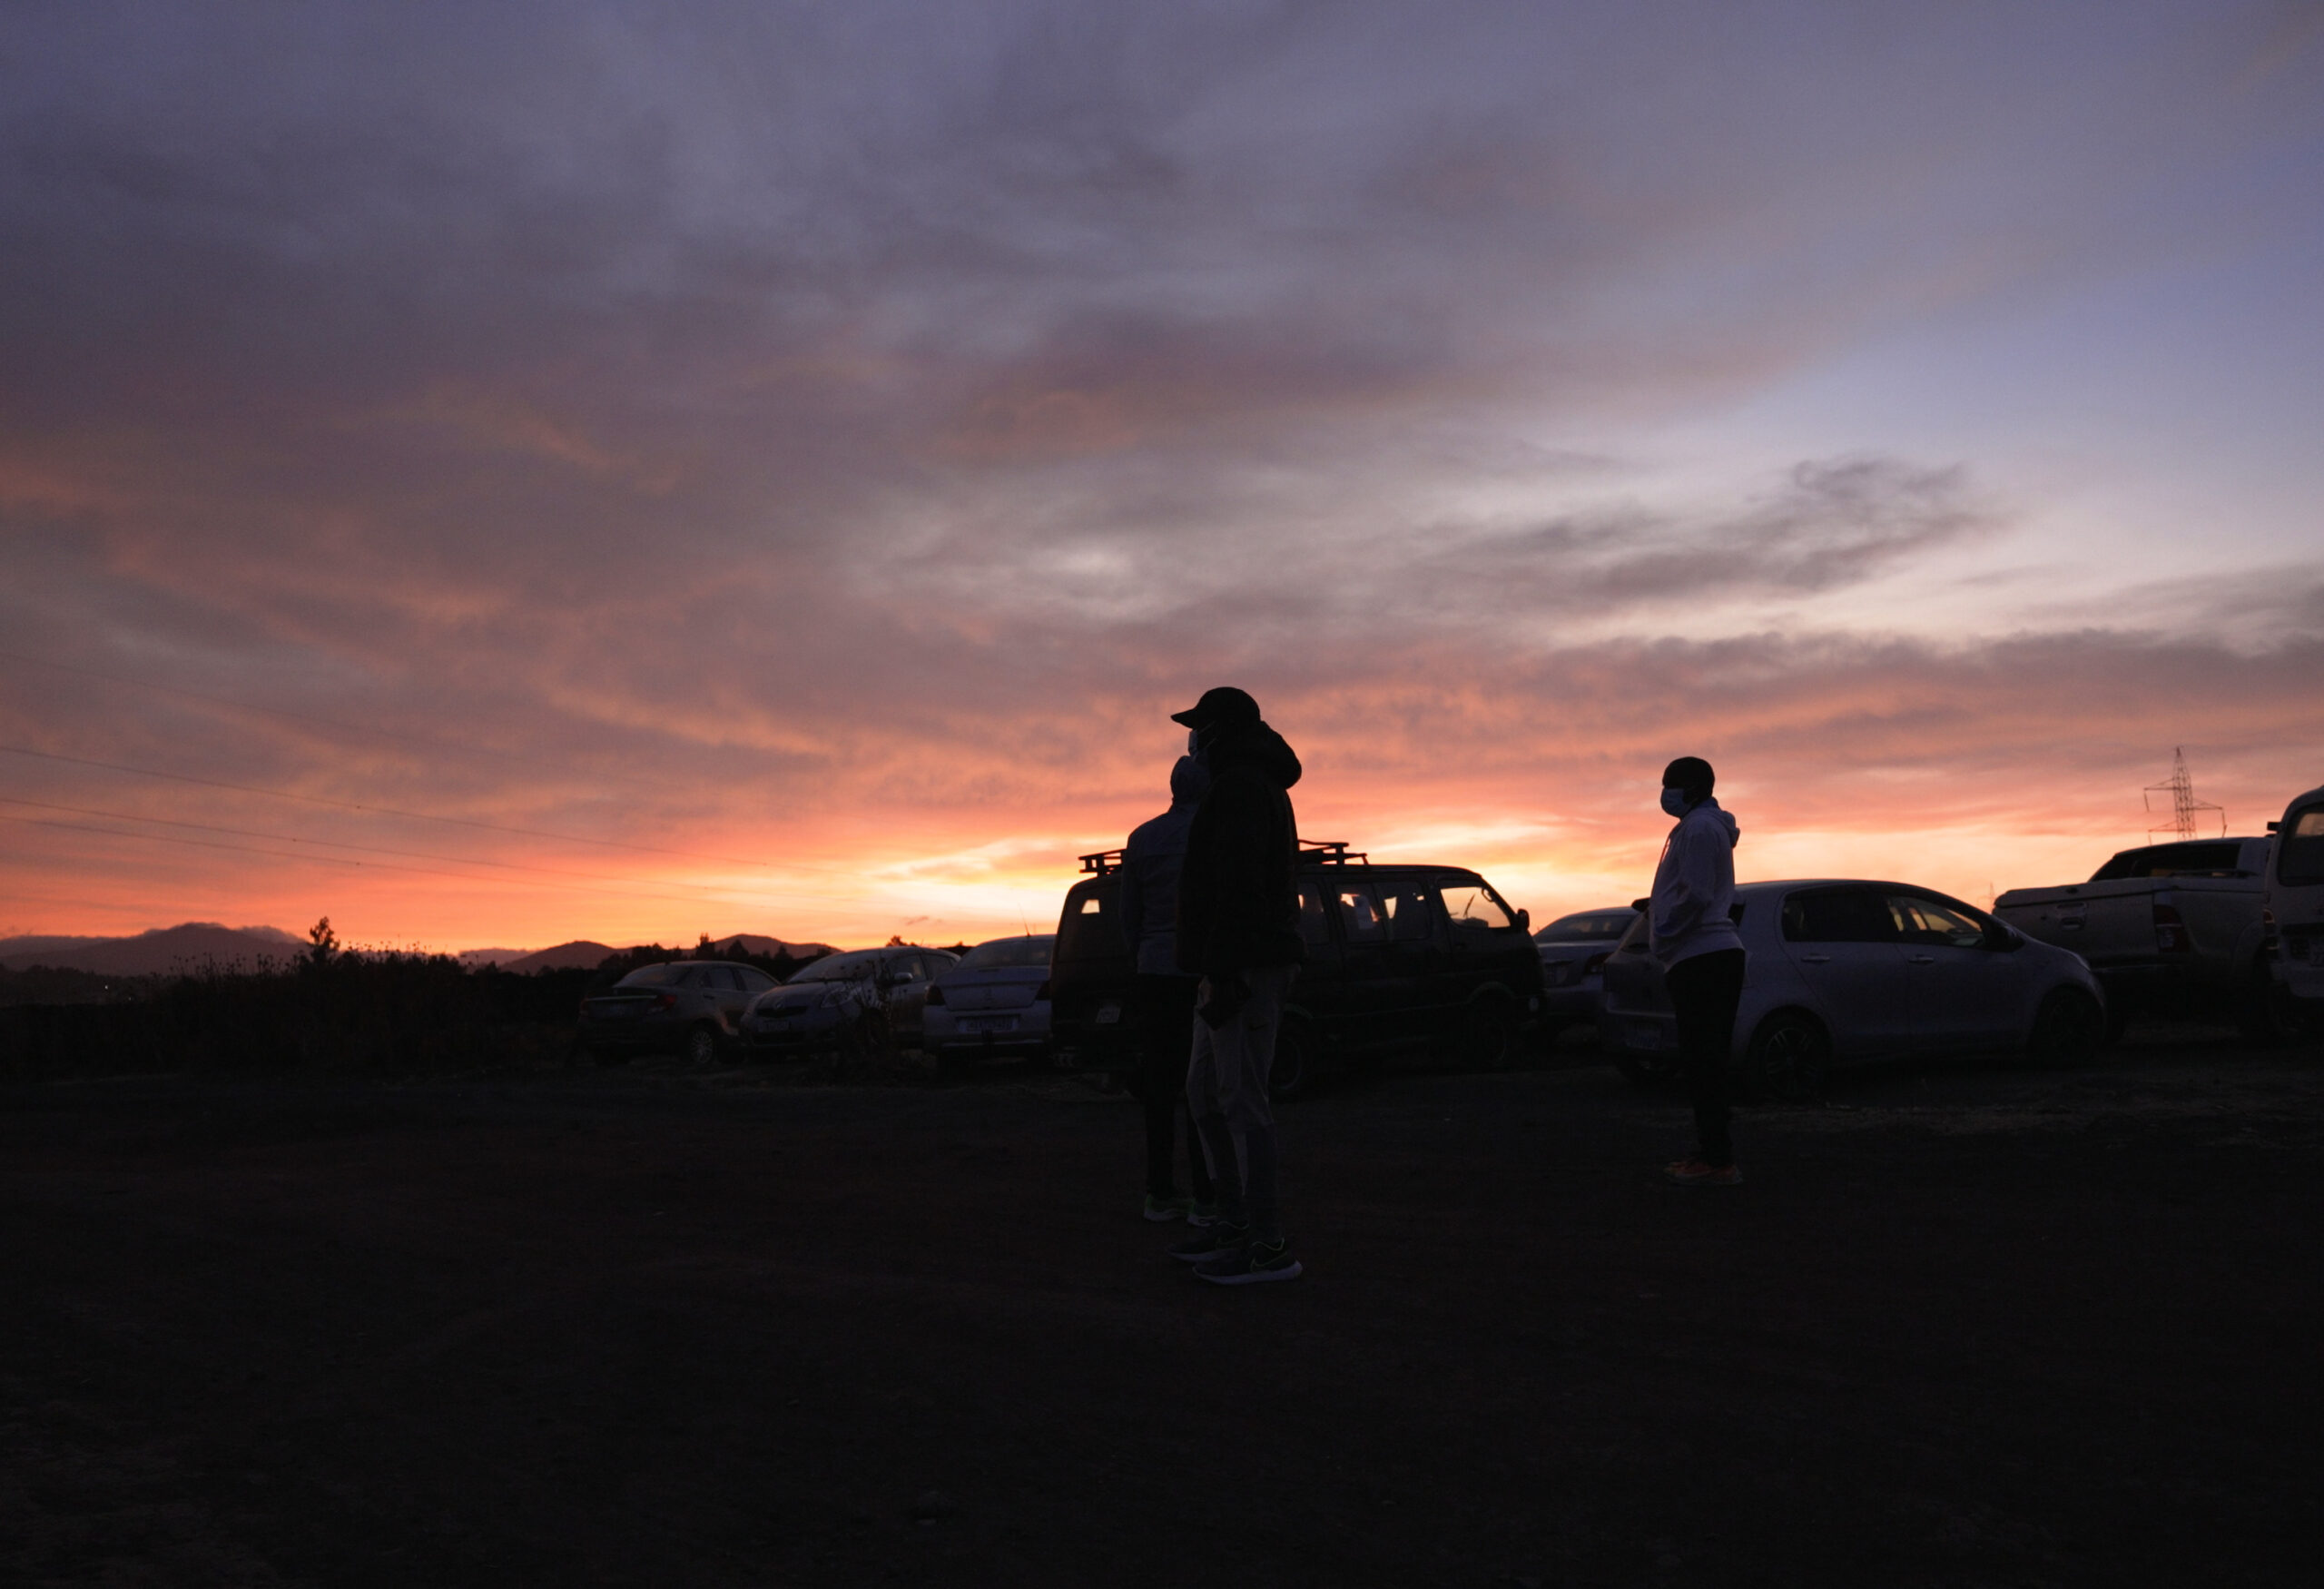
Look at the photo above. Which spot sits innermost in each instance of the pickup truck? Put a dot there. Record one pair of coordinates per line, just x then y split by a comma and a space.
2174, 929
2295, 913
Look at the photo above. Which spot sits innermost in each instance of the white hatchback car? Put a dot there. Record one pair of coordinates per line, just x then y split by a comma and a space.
1844, 970
995, 1000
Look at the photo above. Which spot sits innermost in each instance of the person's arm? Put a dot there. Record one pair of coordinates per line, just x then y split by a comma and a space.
1131, 901
1683, 893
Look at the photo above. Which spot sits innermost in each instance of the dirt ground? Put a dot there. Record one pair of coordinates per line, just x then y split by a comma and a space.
1973, 1325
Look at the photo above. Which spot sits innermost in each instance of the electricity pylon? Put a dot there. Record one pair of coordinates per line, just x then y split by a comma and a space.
2183, 804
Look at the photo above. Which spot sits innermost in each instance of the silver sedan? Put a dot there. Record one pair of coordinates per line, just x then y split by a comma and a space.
1843, 971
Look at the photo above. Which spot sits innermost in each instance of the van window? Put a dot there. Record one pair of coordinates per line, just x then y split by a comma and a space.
1470, 903
1088, 932
1359, 913
1410, 906
1315, 926
1837, 915
2299, 848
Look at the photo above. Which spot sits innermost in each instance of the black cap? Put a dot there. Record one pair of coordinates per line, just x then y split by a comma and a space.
1223, 705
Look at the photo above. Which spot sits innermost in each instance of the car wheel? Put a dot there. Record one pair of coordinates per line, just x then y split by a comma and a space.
2068, 1030
1489, 1034
1294, 1072
701, 1045
1789, 1057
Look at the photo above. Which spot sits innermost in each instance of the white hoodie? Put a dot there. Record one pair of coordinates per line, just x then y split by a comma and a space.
1694, 887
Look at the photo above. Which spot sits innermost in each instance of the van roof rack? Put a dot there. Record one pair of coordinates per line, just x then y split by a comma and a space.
1330, 852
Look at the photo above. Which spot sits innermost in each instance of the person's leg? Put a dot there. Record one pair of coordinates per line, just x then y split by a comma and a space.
1704, 993
1247, 1057
1205, 1104
1163, 1081
1178, 1041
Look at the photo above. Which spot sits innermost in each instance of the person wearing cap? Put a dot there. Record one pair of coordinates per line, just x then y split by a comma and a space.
1237, 929
1690, 932
1162, 997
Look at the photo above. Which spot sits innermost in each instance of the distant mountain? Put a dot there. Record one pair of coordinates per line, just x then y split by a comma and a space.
186, 947
588, 952
583, 951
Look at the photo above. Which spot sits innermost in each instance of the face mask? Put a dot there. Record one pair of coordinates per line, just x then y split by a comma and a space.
1674, 800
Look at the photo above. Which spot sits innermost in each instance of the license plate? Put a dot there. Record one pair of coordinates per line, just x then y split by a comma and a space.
988, 1024
1646, 1037
1109, 1014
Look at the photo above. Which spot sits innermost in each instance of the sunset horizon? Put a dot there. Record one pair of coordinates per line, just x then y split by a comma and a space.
496, 481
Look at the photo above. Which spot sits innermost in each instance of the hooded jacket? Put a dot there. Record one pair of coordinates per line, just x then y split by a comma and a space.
1150, 862
1690, 913
1238, 889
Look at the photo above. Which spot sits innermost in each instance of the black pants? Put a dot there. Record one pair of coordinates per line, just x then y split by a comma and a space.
1705, 989
1163, 1010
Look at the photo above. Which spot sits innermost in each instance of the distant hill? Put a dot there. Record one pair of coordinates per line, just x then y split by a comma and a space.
582, 952
588, 952
185, 947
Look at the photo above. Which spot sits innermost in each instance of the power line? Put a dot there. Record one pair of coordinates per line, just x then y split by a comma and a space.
495, 827
285, 713
337, 844
373, 865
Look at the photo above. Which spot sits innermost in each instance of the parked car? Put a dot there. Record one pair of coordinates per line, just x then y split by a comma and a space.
694, 1007
994, 1000
1399, 957
847, 1005
2175, 929
1573, 951
1844, 970
2292, 915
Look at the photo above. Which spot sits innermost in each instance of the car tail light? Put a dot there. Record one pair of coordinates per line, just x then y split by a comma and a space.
667, 1002
1041, 993
936, 994
2170, 931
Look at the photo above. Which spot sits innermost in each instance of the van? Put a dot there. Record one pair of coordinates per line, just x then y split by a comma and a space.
1399, 958
2294, 906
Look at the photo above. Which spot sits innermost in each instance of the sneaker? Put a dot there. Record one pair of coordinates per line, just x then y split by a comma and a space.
1211, 1240
1260, 1260
1695, 1172
1162, 1210
1203, 1216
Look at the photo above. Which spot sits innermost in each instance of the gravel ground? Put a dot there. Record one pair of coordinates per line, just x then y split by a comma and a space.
1965, 1326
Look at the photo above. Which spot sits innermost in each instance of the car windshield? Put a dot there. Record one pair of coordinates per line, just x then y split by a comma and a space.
1007, 954
842, 968
2210, 858
1588, 926
651, 976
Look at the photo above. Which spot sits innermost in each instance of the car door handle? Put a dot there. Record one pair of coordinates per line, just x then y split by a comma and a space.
1922, 959
1816, 959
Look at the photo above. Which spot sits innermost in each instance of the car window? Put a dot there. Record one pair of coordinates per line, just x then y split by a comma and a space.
1002, 954
1359, 913
1469, 902
650, 976
1837, 915
1922, 920
754, 981
1315, 926
1588, 926
720, 977
936, 965
2299, 848
839, 968
904, 968
1410, 906
691, 977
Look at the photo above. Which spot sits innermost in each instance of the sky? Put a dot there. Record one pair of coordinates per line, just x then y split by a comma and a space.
498, 475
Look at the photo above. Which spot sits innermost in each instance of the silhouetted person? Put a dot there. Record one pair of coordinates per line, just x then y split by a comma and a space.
1238, 930
1691, 930
1162, 997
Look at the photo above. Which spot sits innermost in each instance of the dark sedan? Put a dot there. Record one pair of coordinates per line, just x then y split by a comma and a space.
1573, 951
693, 1007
